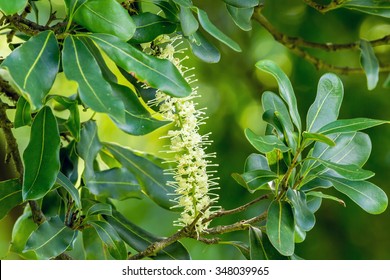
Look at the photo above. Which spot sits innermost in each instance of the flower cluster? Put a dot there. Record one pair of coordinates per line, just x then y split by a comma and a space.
193, 181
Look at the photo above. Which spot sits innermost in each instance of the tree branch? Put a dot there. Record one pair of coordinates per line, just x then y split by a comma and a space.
295, 44
242, 225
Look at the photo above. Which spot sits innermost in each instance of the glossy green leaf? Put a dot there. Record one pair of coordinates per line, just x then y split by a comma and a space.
41, 158
138, 120
150, 26
318, 137
326, 106
100, 208
368, 196
272, 102
257, 251
350, 125
313, 202
151, 177
72, 124
241, 246
89, 146
140, 239
203, 49
299, 234
11, 7
73, 5
157, 73
170, 10
50, 239
241, 16
10, 195
116, 183
285, 88
304, 218
111, 239
242, 3
210, 28
64, 182
265, 144
326, 196
256, 162
348, 171
369, 63
374, 7
81, 66
106, 16
21, 231
32, 68
94, 248
386, 84
23, 113
189, 24
280, 227
255, 180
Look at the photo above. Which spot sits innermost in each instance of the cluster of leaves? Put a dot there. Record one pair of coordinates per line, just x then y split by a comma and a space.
295, 164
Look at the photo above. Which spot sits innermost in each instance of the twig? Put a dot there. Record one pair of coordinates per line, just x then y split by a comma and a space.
295, 44
324, 8
242, 208
8, 90
242, 225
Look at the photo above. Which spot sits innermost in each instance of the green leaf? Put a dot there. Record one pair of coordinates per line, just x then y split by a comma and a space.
241, 246
64, 182
93, 246
50, 239
73, 123
304, 218
32, 68
299, 234
184, 3
255, 180
256, 162
170, 10
73, 5
326, 196
115, 183
280, 227
151, 177
241, 16
348, 171
313, 202
386, 84
140, 239
368, 196
23, 113
242, 3
257, 251
150, 26
110, 237
188, 22
10, 196
285, 89
138, 120
271, 101
21, 231
318, 137
374, 7
70, 161
88, 147
81, 66
326, 106
350, 125
100, 208
210, 28
203, 49
369, 63
265, 144
11, 7
106, 16
41, 158
157, 73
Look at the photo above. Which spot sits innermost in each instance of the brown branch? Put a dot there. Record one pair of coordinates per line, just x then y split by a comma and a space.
324, 8
6, 88
295, 44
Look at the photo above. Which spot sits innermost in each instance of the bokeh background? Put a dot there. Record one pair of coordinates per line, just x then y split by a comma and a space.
231, 91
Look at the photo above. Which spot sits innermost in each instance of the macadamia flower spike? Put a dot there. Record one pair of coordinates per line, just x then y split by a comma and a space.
192, 179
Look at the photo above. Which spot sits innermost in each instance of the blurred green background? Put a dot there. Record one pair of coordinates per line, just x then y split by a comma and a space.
231, 91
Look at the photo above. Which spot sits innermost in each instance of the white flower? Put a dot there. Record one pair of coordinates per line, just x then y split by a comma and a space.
193, 181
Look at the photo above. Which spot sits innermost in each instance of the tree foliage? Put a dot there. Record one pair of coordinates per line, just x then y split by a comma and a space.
69, 181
